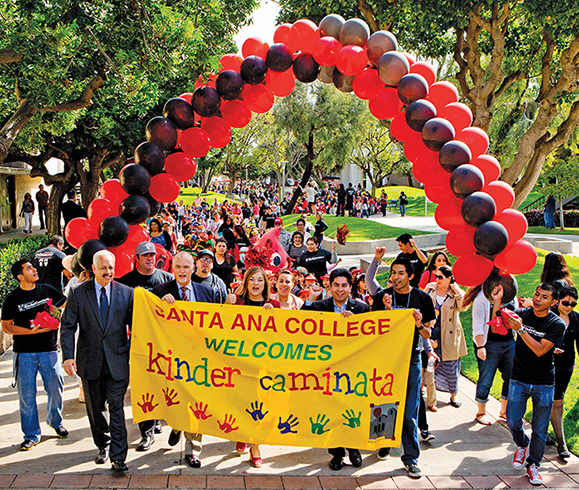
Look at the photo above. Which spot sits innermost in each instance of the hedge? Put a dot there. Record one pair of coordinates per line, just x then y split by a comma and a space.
571, 218
10, 252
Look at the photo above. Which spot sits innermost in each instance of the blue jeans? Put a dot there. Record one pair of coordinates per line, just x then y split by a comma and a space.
500, 356
542, 399
410, 441
402, 209
29, 364
549, 220
365, 213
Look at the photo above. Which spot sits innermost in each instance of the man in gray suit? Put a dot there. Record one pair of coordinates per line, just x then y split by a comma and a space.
101, 310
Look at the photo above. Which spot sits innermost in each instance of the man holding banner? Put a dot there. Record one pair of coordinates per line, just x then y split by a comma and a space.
340, 302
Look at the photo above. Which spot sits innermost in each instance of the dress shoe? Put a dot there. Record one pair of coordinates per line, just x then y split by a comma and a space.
158, 427
193, 461
174, 437
103, 456
336, 463
119, 466
145, 443
61, 432
355, 458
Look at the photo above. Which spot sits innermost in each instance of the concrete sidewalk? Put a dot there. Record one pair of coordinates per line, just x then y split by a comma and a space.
463, 455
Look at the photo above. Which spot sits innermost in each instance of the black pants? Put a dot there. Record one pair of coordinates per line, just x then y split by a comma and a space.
422, 422
42, 215
340, 209
339, 451
110, 433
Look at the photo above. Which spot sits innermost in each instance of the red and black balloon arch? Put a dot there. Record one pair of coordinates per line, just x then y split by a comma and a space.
448, 154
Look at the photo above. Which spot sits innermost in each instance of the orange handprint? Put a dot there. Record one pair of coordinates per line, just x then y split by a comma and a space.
147, 403
199, 411
227, 425
170, 395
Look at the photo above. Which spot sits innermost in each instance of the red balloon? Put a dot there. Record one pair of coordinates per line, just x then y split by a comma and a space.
460, 240
471, 270
188, 96
254, 46
235, 113
502, 193
79, 230
415, 147
515, 223
205, 80
303, 34
425, 166
195, 141
325, 49
281, 83
448, 214
518, 258
442, 94
411, 59
351, 60
476, 139
114, 192
438, 187
218, 131
399, 128
230, 62
100, 209
164, 188
385, 104
258, 98
124, 262
367, 84
459, 115
137, 234
489, 166
281, 35
181, 166
425, 69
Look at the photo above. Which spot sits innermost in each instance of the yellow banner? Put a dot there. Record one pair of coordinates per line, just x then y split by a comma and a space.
280, 377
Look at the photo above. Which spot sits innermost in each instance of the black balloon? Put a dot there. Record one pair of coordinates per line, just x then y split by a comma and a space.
342, 82
86, 252
154, 205
326, 74
436, 132
134, 209
162, 132
229, 84
379, 43
392, 67
504, 279
478, 208
279, 57
412, 87
490, 238
150, 156
354, 31
305, 68
113, 231
331, 25
418, 113
454, 154
206, 101
253, 70
465, 180
179, 112
135, 179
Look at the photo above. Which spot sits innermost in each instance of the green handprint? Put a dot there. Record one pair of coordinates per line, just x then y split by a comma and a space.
320, 424
351, 419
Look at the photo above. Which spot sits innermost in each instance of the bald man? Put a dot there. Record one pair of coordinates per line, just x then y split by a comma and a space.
101, 310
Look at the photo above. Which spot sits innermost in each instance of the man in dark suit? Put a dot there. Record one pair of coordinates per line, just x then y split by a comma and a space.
102, 311
183, 289
340, 302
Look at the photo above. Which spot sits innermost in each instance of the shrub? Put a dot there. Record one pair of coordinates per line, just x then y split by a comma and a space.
570, 217
535, 217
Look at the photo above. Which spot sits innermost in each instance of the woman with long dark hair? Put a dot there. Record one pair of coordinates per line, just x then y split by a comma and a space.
428, 276
556, 271
158, 235
224, 264
27, 212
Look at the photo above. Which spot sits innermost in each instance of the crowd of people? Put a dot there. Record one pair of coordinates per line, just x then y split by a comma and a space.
533, 347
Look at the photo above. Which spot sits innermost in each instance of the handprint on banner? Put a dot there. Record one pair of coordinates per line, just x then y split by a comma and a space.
320, 424
170, 395
199, 411
351, 419
227, 425
147, 403
287, 426
256, 411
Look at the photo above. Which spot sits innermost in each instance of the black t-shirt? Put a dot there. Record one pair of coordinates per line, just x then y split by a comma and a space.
418, 266
416, 299
48, 262
71, 210
566, 359
527, 366
350, 193
135, 279
269, 220
225, 270
21, 306
315, 262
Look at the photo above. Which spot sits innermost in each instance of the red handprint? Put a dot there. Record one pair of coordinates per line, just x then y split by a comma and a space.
227, 425
199, 411
170, 395
147, 404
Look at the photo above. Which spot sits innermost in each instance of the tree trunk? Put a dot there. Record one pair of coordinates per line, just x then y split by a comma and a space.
57, 193
13, 127
409, 177
231, 185
307, 174
207, 180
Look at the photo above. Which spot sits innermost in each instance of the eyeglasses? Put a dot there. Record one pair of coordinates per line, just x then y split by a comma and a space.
205, 259
566, 303
438, 277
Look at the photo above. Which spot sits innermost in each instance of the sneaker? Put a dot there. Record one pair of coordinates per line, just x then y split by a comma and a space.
61, 432
383, 453
413, 470
519, 457
27, 445
533, 474
427, 435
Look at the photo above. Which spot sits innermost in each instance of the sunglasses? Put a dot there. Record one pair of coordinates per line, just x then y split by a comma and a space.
438, 277
566, 303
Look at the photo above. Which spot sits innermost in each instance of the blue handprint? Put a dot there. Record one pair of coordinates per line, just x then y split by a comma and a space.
288, 425
256, 411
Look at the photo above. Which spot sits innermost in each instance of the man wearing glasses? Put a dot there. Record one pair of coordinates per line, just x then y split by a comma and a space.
203, 275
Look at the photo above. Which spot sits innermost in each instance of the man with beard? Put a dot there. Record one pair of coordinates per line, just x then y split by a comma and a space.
203, 275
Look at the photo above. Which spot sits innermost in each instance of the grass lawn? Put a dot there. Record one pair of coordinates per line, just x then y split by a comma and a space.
188, 195
532, 197
415, 195
360, 229
547, 231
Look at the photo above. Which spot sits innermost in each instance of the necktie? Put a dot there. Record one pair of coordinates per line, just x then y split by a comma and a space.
184, 296
104, 307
